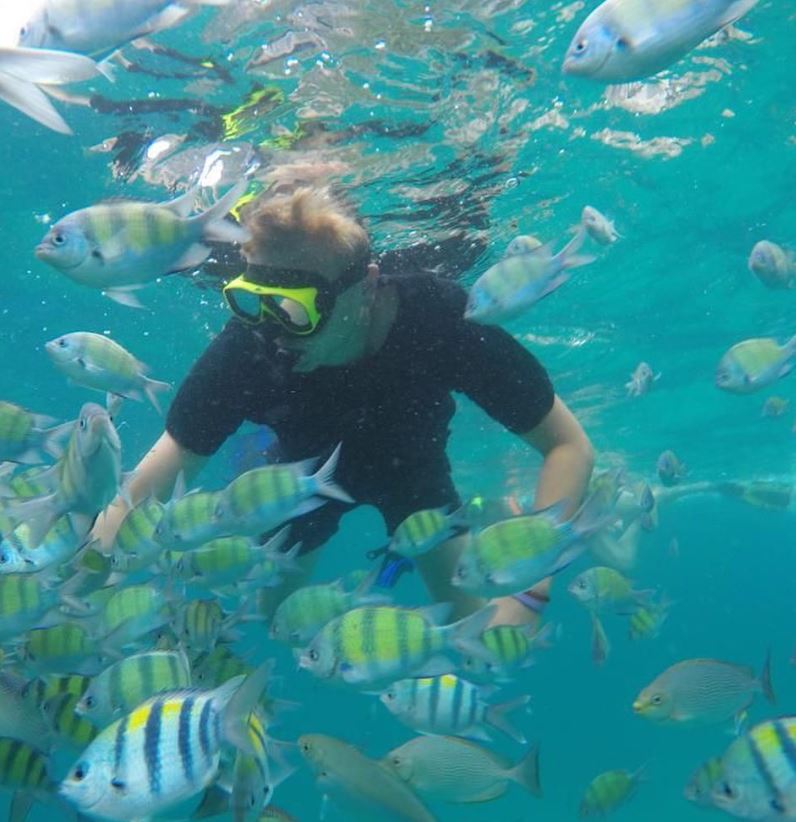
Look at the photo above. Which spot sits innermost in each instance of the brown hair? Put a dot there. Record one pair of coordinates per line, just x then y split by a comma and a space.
308, 225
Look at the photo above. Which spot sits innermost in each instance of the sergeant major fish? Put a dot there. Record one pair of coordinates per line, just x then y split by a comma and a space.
623, 40
753, 364
29, 438
119, 246
608, 791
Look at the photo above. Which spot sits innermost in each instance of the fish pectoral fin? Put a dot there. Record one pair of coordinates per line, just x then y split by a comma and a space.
123, 297
192, 258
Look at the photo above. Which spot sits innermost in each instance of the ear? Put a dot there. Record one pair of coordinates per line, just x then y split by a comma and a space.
373, 272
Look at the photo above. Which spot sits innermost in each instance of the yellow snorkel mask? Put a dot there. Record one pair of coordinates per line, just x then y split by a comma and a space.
265, 293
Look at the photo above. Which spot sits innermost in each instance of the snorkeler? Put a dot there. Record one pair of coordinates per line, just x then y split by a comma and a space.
324, 350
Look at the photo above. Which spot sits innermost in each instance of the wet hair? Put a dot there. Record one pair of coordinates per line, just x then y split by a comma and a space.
310, 219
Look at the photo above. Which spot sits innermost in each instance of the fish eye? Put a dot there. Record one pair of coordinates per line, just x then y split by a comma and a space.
89, 701
581, 45
59, 238
62, 343
83, 423
727, 790
623, 43
80, 772
657, 699
582, 584
305, 746
313, 655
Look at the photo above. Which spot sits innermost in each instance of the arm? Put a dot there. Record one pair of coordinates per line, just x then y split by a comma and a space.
155, 474
568, 458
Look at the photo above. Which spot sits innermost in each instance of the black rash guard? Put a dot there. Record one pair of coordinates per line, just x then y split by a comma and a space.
391, 410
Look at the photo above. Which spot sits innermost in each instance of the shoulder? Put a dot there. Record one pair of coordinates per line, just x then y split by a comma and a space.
427, 296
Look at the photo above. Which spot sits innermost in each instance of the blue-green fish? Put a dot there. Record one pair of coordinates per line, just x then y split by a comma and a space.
135, 546
165, 751
608, 791
119, 246
515, 283
189, 521
758, 773
99, 27
29, 438
699, 789
773, 265
58, 546
623, 40
450, 705
510, 649
754, 364
24, 771
60, 649
96, 361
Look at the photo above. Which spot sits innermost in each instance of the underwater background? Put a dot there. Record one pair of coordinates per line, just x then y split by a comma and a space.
450, 125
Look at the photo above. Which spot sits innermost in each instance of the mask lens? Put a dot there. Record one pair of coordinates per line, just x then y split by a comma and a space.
244, 304
292, 314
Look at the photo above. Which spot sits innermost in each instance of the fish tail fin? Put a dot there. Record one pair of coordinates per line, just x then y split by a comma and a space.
38, 513
765, 680
600, 646
496, 716
213, 224
323, 479
568, 257
151, 389
465, 635
32, 102
243, 695
526, 772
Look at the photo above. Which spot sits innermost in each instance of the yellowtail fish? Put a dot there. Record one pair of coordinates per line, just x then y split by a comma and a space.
609, 790
20, 717
24, 770
758, 773
67, 725
670, 468
99, 27
450, 769
96, 361
773, 265
703, 690
302, 614
166, 750
699, 789
450, 705
511, 649
23, 70
264, 498
512, 555
381, 644
516, 282
598, 226
623, 40
753, 364
29, 438
641, 380
119, 246
189, 521
604, 590
87, 477
127, 683
360, 786
60, 649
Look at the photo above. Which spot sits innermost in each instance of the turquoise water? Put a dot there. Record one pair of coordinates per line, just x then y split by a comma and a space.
452, 122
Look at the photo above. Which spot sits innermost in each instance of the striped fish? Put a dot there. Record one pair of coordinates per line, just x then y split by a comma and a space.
134, 545
608, 791
29, 438
382, 644
130, 613
424, 530
264, 498
511, 648
67, 725
96, 361
131, 681
24, 770
214, 667
189, 521
200, 624
58, 649
449, 705
39, 690
88, 476
58, 546
24, 601
20, 716
118, 246
166, 750
700, 787
758, 773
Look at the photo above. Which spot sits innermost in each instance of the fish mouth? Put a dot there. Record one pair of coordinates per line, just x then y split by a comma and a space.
42, 251
638, 707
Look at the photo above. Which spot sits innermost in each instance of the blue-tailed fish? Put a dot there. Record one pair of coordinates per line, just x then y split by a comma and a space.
605, 590
754, 364
607, 791
264, 498
516, 282
512, 555
450, 705
703, 690
24, 771
130, 681
23, 70
773, 265
598, 226
623, 40
86, 478
377, 644
359, 786
119, 246
29, 438
164, 751
450, 769
302, 614
700, 786
758, 773
189, 521
61, 649
20, 717
99, 27
510, 650
96, 361
66, 724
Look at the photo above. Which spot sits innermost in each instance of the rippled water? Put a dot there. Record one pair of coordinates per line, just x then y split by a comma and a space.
452, 129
